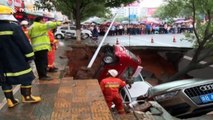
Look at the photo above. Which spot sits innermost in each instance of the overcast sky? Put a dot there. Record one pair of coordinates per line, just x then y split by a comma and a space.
151, 3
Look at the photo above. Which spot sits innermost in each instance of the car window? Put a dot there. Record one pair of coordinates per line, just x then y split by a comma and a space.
72, 28
124, 95
138, 78
64, 28
132, 55
127, 73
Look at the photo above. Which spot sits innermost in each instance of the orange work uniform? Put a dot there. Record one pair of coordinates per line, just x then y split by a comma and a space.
26, 33
51, 53
110, 88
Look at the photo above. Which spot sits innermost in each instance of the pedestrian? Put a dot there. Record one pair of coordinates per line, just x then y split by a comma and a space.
24, 25
41, 44
15, 53
51, 53
95, 33
110, 87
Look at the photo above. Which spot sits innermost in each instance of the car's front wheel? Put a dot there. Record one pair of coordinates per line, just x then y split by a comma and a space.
58, 36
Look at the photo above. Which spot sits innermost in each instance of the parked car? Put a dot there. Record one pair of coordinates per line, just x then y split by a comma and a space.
61, 31
182, 98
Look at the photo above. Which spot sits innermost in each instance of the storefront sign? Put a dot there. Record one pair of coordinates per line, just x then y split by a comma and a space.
29, 7
18, 3
9, 3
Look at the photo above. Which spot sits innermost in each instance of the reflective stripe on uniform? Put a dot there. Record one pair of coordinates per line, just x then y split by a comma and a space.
29, 86
111, 86
44, 34
6, 91
6, 33
40, 44
30, 54
19, 73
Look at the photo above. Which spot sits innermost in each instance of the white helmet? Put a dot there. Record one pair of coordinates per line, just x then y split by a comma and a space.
24, 22
113, 72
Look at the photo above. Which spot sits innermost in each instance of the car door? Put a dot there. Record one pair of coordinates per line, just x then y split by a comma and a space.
64, 29
138, 88
72, 30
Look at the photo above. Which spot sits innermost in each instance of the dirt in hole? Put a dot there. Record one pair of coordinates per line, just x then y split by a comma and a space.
155, 67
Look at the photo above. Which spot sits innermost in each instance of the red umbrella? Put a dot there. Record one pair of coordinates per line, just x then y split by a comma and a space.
108, 23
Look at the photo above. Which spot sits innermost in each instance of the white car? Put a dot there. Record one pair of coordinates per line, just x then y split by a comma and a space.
62, 30
138, 88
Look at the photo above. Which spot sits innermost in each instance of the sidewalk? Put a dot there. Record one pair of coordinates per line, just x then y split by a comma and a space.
61, 63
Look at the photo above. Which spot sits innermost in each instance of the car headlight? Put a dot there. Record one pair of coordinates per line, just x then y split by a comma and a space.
166, 96
108, 59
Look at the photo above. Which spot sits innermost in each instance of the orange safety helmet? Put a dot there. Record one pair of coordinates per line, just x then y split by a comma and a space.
6, 13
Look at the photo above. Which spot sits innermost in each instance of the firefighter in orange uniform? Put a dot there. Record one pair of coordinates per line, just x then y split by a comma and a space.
51, 53
110, 87
24, 25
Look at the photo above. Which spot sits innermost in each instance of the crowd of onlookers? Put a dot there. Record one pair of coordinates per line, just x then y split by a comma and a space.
138, 29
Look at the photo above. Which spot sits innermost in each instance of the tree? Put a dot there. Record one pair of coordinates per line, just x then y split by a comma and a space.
45, 4
117, 3
81, 9
202, 30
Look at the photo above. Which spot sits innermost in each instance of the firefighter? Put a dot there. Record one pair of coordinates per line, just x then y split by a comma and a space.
24, 25
15, 53
51, 53
110, 87
41, 44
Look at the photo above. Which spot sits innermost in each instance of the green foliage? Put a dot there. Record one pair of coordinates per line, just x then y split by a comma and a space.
118, 3
172, 9
87, 8
44, 4
82, 9
201, 12
191, 9
94, 10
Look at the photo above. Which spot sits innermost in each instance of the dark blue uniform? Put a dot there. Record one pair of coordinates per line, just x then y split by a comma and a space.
15, 52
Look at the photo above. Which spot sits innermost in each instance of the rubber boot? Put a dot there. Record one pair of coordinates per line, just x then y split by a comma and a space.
27, 97
11, 101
